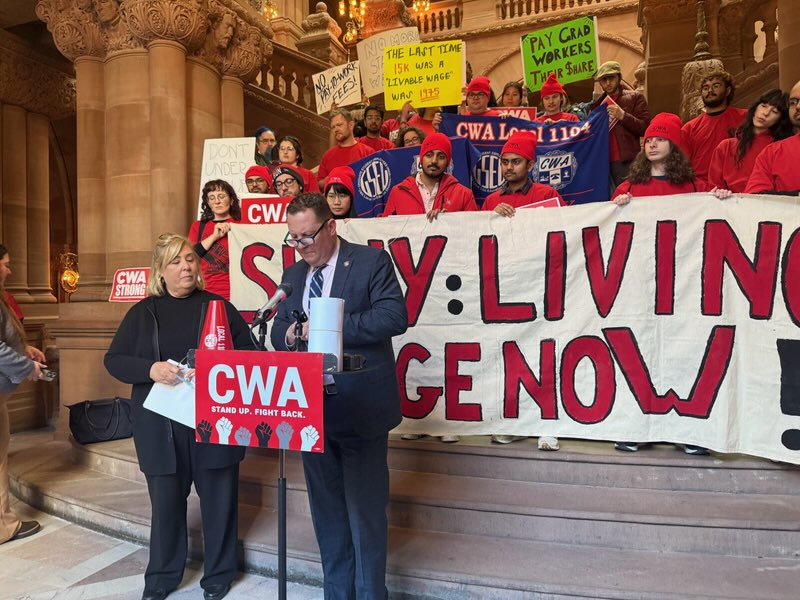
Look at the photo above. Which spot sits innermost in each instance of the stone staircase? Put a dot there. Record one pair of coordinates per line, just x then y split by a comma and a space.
481, 521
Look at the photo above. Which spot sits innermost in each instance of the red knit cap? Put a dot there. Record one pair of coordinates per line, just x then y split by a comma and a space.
552, 86
667, 126
259, 171
437, 141
343, 176
480, 84
521, 142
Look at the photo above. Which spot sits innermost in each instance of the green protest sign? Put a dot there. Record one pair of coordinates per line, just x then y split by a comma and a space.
568, 49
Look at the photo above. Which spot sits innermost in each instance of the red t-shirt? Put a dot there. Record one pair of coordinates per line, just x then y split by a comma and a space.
490, 112
215, 262
340, 156
559, 116
703, 134
659, 186
378, 143
529, 193
723, 171
776, 169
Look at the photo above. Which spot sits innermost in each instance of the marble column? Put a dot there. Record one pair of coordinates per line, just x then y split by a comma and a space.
168, 151
128, 202
38, 209
14, 197
203, 113
91, 168
232, 107
788, 43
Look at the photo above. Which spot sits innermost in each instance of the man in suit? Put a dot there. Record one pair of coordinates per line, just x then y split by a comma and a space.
348, 485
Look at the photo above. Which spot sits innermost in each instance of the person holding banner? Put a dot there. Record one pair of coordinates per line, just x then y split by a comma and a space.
629, 118
662, 168
347, 148
290, 152
339, 193
220, 207
164, 326
554, 101
477, 95
733, 160
258, 180
348, 484
432, 190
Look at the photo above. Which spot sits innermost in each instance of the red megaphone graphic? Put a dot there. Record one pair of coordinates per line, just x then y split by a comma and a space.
216, 331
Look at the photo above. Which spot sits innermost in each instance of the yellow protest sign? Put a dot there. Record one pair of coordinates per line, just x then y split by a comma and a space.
430, 74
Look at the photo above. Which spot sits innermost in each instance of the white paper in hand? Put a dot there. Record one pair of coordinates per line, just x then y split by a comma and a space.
175, 402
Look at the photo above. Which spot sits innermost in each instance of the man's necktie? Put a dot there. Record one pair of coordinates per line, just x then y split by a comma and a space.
317, 279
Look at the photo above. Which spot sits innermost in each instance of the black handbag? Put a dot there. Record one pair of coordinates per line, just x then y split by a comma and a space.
100, 420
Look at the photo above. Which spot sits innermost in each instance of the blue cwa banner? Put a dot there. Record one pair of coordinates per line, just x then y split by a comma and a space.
571, 157
378, 173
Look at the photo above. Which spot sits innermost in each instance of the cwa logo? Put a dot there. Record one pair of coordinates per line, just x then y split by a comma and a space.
374, 179
486, 174
556, 169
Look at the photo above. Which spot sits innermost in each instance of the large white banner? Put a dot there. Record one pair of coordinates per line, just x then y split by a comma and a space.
671, 319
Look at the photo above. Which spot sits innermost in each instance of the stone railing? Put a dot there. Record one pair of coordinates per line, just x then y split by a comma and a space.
443, 16
512, 9
288, 74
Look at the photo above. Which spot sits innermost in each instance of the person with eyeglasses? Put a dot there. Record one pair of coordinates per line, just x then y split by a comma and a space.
410, 136
476, 99
287, 181
339, 192
718, 122
775, 171
258, 180
290, 152
373, 123
348, 484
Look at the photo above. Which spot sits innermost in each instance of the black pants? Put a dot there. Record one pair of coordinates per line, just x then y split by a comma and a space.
218, 490
348, 490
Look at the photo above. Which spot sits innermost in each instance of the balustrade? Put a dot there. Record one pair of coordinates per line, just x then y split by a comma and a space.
512, 9
288, 74
444, 16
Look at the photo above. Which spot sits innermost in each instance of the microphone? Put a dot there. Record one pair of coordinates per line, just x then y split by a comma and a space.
265, 313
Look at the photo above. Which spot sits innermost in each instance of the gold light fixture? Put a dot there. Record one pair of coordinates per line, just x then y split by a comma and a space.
421, 6
68, 269
269, 9
356, 11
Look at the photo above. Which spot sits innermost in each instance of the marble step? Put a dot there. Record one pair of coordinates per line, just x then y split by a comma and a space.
423, 564
737, 524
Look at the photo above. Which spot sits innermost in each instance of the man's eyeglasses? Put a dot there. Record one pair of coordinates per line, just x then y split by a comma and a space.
304, 241
284, 184
475, 94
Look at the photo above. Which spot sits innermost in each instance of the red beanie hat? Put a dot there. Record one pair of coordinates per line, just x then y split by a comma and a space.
552, 86
521, 142
480, 84
259, 171
437, 141
667, 126
343, 176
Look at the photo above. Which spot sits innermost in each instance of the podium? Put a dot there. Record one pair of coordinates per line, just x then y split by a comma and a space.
263, 400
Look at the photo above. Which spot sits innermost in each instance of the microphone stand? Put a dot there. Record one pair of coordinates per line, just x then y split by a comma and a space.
262, 334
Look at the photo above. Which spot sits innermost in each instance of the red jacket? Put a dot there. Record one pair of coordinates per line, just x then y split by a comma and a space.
405, 199
627, 132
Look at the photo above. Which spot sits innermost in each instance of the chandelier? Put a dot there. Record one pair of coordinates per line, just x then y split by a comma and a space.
355, 10
421, 6
269, 10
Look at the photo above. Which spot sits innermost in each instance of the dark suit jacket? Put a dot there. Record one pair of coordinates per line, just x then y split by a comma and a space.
368, 401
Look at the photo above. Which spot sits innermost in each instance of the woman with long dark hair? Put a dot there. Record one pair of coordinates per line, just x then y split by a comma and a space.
733, 159
18, 362
220, 208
